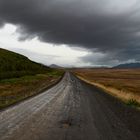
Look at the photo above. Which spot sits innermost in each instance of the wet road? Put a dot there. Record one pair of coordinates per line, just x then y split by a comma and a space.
71, 110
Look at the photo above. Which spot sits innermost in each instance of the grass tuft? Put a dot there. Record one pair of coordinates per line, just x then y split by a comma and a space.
133, 103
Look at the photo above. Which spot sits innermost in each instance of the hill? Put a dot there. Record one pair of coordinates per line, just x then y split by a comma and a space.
55, 66
16, 65
128, 65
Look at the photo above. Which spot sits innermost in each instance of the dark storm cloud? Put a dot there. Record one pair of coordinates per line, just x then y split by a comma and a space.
112, 58
110, 27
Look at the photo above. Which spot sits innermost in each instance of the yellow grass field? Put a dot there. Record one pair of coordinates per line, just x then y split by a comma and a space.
122, 83
16, 89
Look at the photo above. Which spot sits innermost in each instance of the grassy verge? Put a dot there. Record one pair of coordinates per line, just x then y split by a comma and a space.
16, 89
133, 103
123, 84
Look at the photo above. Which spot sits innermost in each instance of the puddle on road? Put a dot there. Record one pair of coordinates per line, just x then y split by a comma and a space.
69, 123
66, 123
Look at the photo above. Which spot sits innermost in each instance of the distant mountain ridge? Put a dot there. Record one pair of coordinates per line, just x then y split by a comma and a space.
55, 66
128, 65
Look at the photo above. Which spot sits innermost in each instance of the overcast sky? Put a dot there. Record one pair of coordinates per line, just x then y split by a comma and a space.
72, 32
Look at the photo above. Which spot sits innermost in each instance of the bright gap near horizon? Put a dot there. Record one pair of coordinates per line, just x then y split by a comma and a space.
39, 51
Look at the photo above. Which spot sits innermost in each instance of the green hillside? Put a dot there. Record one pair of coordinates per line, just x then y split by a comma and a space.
21, 78
16, 65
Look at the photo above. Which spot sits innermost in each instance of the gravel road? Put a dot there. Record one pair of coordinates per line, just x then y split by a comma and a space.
71, 110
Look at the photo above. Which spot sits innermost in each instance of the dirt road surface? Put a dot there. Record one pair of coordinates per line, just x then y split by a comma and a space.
71, 110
